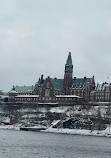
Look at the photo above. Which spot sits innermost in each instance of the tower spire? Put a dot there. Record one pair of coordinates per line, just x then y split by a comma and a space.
68, 65
68, 73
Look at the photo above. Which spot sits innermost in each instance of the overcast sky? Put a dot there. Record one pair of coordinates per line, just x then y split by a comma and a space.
36, 36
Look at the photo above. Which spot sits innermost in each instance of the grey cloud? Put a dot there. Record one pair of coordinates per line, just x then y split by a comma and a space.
35, 37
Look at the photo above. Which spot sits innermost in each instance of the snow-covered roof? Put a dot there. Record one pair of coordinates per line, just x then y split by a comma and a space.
27, 96
68, 96
80, 82
58, 96
13, 92
48, 103
101, 87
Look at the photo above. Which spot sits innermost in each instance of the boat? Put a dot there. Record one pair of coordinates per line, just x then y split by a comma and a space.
33, 128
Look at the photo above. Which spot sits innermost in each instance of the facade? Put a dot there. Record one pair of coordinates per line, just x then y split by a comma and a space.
101, 93
69, 90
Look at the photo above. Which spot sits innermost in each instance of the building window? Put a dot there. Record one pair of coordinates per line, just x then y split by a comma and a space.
47, 93
47, 83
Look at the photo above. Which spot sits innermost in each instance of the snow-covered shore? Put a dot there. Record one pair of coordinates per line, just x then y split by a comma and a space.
10, 127
106, 132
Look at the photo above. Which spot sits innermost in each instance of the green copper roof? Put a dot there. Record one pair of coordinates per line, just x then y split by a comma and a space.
58, 84
68, 65
80, 82
69, 60
24, 89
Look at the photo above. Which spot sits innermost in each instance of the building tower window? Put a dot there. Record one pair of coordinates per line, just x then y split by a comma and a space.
47, 93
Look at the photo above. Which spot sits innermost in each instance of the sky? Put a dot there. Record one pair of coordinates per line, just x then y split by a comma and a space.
36, 36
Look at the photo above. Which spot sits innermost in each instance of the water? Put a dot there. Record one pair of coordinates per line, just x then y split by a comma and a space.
23, 144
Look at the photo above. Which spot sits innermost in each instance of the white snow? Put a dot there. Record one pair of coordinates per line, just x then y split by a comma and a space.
67, 96
47, 103
7, 120
27, 96
54, 123
29, 116
13, 92
106, 132
11, 127
58, 110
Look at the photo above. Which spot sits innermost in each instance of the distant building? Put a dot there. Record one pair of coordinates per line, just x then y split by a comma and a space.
1, 93
101, 93
3, 96
24, 90
68, 90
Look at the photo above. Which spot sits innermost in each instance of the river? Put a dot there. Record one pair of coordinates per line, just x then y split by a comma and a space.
23, 144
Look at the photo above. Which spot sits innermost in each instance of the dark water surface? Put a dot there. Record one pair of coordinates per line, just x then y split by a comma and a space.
23, 144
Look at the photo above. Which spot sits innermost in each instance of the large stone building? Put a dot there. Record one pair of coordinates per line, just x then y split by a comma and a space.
69, 90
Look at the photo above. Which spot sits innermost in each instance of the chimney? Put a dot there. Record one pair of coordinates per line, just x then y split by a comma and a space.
84, 77
41, 79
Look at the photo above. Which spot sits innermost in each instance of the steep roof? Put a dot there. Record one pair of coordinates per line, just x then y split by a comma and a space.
24, 89
80, 82
69, 60
76, 83
101, 87
58, 84
68, 65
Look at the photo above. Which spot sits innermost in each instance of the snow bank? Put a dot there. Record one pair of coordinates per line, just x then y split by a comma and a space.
106, 132
11, 127
58, 110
